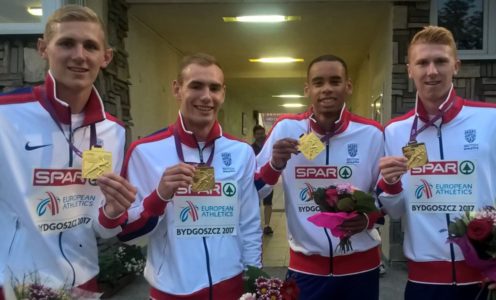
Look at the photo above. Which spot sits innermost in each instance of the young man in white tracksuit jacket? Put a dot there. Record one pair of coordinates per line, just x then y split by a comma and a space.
353, 146
200, 241
51, 214
461, 174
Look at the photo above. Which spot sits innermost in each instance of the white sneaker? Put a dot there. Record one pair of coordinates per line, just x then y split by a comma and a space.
382, 269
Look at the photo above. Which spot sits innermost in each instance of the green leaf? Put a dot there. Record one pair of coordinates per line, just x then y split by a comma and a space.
365, 203
249, 277
457, 228
346, 204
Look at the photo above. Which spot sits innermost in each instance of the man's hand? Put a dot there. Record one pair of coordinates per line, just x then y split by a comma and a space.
180, 175
392, 167
281, 152
354, 225
119, 194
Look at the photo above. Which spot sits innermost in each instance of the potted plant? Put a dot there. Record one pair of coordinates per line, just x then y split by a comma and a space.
119, 264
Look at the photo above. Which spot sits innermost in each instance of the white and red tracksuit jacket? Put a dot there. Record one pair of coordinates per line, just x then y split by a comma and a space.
183, 266
462, 139
49, 213
350, 156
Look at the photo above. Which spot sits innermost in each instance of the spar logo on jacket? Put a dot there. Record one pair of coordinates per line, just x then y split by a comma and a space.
62, 199
443, 186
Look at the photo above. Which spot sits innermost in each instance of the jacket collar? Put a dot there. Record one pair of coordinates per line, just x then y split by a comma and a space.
188, 138
93, 111
340, 125
451, 107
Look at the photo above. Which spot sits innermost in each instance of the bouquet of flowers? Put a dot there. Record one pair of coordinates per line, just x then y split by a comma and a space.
37, 291
337, 204
260, 286
33, 287
475, 234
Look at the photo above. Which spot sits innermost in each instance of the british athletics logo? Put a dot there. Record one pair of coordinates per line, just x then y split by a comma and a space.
52, 203
352, 149
226, 159
470, 135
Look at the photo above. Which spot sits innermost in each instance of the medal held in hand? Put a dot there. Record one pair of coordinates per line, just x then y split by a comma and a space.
96, 162
310, 146
416, 153
203, 179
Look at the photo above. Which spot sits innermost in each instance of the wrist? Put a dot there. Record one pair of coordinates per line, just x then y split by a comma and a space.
108, 216
390, 188
275, 168
165, 199
391, 182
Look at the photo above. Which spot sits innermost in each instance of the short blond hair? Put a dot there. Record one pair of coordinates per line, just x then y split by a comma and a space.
202, 59
72, 13
434, 35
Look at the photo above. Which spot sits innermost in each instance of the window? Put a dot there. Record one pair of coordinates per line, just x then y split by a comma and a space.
14, 18
471, 24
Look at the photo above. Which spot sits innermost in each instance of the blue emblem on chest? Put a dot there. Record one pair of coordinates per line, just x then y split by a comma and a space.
226, 158
352, 149
470, 135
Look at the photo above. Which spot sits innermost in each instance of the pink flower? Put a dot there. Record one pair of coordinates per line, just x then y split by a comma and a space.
344, 188
275, 283
273, 295
263, 288
332, 197
261, 280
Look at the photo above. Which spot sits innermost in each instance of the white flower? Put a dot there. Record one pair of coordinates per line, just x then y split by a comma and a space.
248, 296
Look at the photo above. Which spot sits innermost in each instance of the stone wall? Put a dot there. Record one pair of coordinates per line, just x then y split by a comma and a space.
14, 50
113, 83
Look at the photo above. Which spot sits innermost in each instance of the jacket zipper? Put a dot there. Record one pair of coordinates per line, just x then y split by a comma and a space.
66, 259
448, 221
209, 273
15, 233
331, 254
71, 162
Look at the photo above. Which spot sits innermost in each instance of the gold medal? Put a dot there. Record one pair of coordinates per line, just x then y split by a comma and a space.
203, 179
416, 153
96, 162
310, 146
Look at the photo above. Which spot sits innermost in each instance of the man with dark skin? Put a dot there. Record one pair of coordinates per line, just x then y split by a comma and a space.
353, 146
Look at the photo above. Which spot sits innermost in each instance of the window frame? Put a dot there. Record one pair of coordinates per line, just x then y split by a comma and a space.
488, 50
48, 6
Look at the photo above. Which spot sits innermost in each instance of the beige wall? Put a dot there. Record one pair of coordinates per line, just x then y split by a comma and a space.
374, 76
231, 118
153, 65
372, 79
